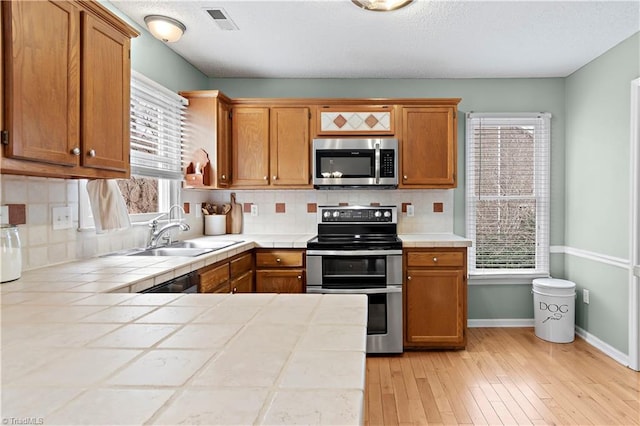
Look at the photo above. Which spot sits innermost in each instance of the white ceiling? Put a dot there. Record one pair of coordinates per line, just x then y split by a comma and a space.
427, 39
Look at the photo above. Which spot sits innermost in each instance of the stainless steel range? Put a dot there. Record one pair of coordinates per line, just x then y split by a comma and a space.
357, 251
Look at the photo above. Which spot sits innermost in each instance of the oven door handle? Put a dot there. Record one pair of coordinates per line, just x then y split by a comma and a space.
353, 252
385, 290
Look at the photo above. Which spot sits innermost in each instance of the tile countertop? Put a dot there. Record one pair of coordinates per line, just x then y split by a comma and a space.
81, 346
185, 359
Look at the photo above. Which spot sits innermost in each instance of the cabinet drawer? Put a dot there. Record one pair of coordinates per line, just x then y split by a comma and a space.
274, 259
214, 280
435, 258
241, 265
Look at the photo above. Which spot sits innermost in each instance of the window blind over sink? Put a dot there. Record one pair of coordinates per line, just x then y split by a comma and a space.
157, 129
508, 192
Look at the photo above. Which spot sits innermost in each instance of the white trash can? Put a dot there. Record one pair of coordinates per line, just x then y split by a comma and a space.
554, 312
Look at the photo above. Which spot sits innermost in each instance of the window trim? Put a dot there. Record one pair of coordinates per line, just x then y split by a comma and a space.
542, 190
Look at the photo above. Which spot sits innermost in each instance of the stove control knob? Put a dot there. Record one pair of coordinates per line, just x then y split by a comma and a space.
387, 213
377, 213
336, 213
326, 214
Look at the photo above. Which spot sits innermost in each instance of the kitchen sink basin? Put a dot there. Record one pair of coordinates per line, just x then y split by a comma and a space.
190, 248
172, 251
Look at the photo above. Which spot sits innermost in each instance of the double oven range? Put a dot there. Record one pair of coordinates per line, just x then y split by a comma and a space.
357, 251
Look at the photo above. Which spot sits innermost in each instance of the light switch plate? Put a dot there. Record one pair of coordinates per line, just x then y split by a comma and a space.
254, 210
61, 217
4, 215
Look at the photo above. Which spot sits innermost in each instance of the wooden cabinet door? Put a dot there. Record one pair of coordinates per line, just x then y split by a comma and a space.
42, 72
105, 96
435, 304
429, 147
250, 146
214, 280
223, 144
243, 283
279, 281
289, 146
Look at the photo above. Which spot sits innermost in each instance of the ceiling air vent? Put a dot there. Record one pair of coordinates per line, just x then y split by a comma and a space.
221, 18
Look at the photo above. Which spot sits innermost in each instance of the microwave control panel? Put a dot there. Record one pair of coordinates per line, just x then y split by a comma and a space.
387, 163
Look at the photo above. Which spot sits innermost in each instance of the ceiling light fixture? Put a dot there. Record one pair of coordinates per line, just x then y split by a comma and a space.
164, 28
381, 5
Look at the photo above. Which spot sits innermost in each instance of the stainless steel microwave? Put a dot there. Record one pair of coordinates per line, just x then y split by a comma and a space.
355, 163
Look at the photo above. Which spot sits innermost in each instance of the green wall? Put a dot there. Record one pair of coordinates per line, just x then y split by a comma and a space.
155, 60
597, 187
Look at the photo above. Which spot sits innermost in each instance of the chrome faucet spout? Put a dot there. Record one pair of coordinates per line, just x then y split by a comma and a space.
155, 236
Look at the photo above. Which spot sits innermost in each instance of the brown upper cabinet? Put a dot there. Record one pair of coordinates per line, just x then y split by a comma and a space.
266, 142
209, 128
66, 89
428, 144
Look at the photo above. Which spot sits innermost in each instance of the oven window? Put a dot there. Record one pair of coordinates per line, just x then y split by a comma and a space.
354, 271
377, 321
352, 164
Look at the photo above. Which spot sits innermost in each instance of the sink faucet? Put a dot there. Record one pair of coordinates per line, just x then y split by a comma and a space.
155, 233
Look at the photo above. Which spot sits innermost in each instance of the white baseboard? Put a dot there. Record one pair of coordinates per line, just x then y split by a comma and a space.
508, 322
607, 349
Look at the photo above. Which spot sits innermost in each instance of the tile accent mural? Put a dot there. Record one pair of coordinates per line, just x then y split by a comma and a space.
355, 121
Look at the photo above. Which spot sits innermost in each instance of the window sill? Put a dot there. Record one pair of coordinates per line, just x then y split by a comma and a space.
505, 279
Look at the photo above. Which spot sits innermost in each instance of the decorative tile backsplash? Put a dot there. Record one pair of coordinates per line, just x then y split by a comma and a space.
281, 212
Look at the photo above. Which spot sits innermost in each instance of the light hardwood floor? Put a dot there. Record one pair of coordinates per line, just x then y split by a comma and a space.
505, 376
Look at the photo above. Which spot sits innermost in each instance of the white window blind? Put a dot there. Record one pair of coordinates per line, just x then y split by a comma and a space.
157, 129
508, 193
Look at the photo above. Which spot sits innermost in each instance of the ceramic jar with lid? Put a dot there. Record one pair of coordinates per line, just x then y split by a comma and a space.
11, 255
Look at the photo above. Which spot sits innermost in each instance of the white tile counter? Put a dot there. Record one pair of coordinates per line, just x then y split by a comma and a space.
433, 240
184, 359
78, 347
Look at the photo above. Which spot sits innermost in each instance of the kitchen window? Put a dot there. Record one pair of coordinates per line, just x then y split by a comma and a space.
157, 142
507, 193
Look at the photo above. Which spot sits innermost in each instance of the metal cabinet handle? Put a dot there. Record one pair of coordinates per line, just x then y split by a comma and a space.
266, 178
275, 177
278, 260
235, 290
223, 177
92, 153
75, 151
409, 278
435, 259
404, 177
299, 277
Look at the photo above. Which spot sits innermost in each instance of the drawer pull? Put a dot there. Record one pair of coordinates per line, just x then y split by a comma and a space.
435, 260
299, 277
409, 278
404, 177
223, 177
235, 290
278, 260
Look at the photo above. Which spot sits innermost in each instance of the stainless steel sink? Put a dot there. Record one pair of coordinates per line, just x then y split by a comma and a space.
172, 251
184, 248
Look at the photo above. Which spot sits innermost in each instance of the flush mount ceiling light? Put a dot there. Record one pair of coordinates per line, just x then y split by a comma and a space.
164, 28
381, 5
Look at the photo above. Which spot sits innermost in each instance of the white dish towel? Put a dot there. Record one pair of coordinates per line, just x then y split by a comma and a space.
107, 205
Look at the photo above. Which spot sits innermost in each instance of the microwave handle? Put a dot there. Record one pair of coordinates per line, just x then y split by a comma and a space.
377, 161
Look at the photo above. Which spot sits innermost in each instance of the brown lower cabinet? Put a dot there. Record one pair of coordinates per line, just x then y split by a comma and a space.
229, 276
280, 271
435, 298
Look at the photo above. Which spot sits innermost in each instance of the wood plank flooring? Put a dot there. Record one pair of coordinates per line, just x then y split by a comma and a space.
505, 376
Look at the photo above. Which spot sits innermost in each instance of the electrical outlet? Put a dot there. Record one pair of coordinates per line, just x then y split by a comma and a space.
585, 296
254, 210
61, 217
410, 210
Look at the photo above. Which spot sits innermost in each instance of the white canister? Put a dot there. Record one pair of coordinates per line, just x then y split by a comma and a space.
215, 224
11, 266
